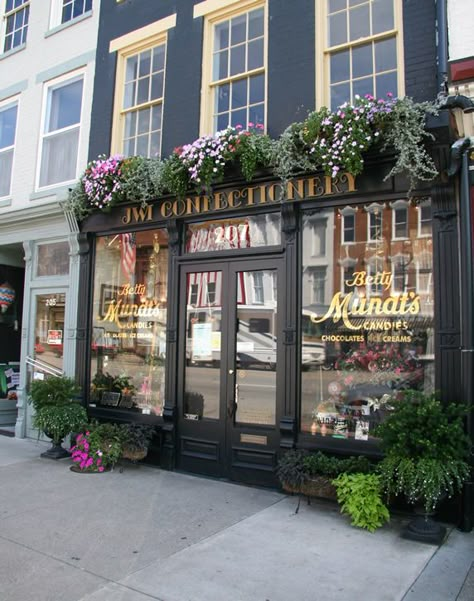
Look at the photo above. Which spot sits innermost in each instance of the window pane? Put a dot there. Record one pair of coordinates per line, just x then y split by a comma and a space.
128, 354
237, 60
239, 93
53, 259
59, 158
237, 30
363, 86
359, 19
131, 69
362, 63
355, 363
255, 54
6, 162
222, 121
159, 58
143, 92
129, 95
221, 36
220, 69
382, 15
143, 121
334, 5
157, 86
257, 114
256, 23
337, 29
142, 145
7, 126
257, 89
64, 106
340, 68
385, 55
386, 83
130, 124
339, 94
49, 328
129, 147
145, 63
239, 117
155, 141
233, 234
222, 94
156, 117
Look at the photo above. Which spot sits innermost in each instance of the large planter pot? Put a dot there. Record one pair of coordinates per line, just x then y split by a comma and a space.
56, 451
317, 486
134, 454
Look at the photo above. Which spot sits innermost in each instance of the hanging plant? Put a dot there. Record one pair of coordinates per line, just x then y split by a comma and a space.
334, 142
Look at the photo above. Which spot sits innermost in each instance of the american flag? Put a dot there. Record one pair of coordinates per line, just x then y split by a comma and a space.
128, 254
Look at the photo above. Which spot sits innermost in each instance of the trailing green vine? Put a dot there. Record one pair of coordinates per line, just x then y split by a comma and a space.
333, 142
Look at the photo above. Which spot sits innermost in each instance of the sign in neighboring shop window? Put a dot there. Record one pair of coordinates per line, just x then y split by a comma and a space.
49, 328
129, 321
233, 234
52, 259
369, 335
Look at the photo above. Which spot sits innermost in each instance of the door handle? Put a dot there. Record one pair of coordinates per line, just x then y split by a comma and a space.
231, 371
232, 406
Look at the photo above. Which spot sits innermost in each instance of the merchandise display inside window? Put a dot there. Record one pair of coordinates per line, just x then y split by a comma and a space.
367, 334
128, 343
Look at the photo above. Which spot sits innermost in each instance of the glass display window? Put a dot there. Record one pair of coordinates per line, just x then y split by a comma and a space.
128, 341
368, 334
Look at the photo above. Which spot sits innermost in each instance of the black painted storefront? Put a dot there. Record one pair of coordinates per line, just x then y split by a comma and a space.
225, 447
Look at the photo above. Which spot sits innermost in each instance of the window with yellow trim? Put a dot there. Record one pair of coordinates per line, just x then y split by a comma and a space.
142, 102
237, 74
361, 49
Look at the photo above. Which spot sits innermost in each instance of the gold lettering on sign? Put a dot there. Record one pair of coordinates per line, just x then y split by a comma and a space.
297, 189
137, 214
346, 307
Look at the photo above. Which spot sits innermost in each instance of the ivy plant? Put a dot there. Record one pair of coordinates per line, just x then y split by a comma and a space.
360, 497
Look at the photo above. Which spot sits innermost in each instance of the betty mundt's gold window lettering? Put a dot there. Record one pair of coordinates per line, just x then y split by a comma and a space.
234, 68
362, 49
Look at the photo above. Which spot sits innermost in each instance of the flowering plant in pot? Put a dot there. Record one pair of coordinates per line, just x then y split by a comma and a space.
98, 448
57, 411
426, 449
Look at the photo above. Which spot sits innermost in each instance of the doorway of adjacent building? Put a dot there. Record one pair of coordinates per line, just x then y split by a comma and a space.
229, 378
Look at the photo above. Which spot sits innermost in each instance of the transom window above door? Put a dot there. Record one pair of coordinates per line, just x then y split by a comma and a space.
361, 50
234, 69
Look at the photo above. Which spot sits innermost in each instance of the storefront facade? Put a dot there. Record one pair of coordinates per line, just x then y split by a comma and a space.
249, 321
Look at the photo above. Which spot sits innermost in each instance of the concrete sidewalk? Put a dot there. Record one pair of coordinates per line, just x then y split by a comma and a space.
149, 534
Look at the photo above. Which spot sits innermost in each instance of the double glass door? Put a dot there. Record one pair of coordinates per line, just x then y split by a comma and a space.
229, 372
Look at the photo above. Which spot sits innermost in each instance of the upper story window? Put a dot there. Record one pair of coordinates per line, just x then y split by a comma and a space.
141, 112
362, 50
424, 219
16, 17
348, 215
374, 222
74, 8
8, 116
399, 219
60, 136
234, 58
140, 89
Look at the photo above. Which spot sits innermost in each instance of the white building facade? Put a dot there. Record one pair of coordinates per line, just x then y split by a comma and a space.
47, 64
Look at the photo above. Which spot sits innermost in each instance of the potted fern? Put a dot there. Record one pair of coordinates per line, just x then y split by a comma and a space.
426, 448
58, 412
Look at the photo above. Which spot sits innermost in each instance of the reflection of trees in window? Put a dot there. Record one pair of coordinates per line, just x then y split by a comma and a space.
375, 225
